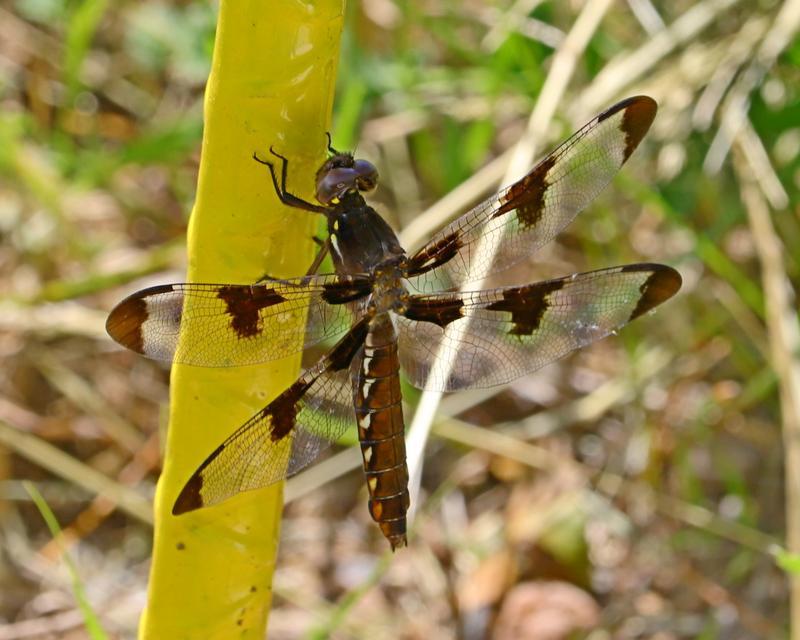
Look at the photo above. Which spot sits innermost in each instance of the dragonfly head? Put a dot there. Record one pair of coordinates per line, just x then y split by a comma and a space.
342, 174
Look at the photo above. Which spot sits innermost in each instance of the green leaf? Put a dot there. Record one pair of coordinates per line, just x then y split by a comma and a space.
789, 562
93, 625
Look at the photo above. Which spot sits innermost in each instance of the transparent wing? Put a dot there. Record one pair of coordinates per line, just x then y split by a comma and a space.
224, 325
497, 335
532, 211
285, 436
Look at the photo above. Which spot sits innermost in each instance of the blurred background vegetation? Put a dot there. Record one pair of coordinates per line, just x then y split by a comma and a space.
635, 489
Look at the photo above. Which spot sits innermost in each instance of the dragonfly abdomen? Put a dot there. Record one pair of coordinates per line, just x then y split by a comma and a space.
381, 430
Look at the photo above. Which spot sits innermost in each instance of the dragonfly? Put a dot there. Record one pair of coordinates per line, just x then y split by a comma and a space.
390, 311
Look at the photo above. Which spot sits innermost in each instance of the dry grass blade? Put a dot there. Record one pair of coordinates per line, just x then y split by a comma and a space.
764, 173
784, 341
734, 117
61, 464
677, 421
529, 27
738, 53
593, 406
57, 625
608, 84
588, 408
554, 87
456, 200
647, 15
610, 483
628, 69
144, 462
85, 396
321, 473
39, 42
58, 319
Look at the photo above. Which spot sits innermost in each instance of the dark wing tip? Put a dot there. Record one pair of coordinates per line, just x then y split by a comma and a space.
639, 106
189, 498
639, 113
663, 283
124, 323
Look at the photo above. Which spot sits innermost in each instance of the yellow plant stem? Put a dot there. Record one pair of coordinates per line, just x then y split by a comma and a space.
271, 83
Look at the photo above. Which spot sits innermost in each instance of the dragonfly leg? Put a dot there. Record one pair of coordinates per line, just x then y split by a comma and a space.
323, 251
330, 144
287, 198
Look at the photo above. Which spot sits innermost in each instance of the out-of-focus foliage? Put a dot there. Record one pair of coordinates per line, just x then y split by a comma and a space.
645, 493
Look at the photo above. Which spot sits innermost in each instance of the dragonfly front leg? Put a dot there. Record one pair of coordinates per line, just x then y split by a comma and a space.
287, 198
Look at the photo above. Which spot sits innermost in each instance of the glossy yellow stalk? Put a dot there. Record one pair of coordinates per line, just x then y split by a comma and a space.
271, 83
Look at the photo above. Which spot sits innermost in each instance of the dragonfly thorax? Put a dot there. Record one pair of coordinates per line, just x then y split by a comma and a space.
360, 240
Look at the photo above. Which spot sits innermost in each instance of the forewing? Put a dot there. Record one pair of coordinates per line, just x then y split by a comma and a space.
285, 436
497, 335
532, 211
224, 325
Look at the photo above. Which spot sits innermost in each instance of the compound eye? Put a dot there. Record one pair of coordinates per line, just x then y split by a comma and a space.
367, 175
335, 183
